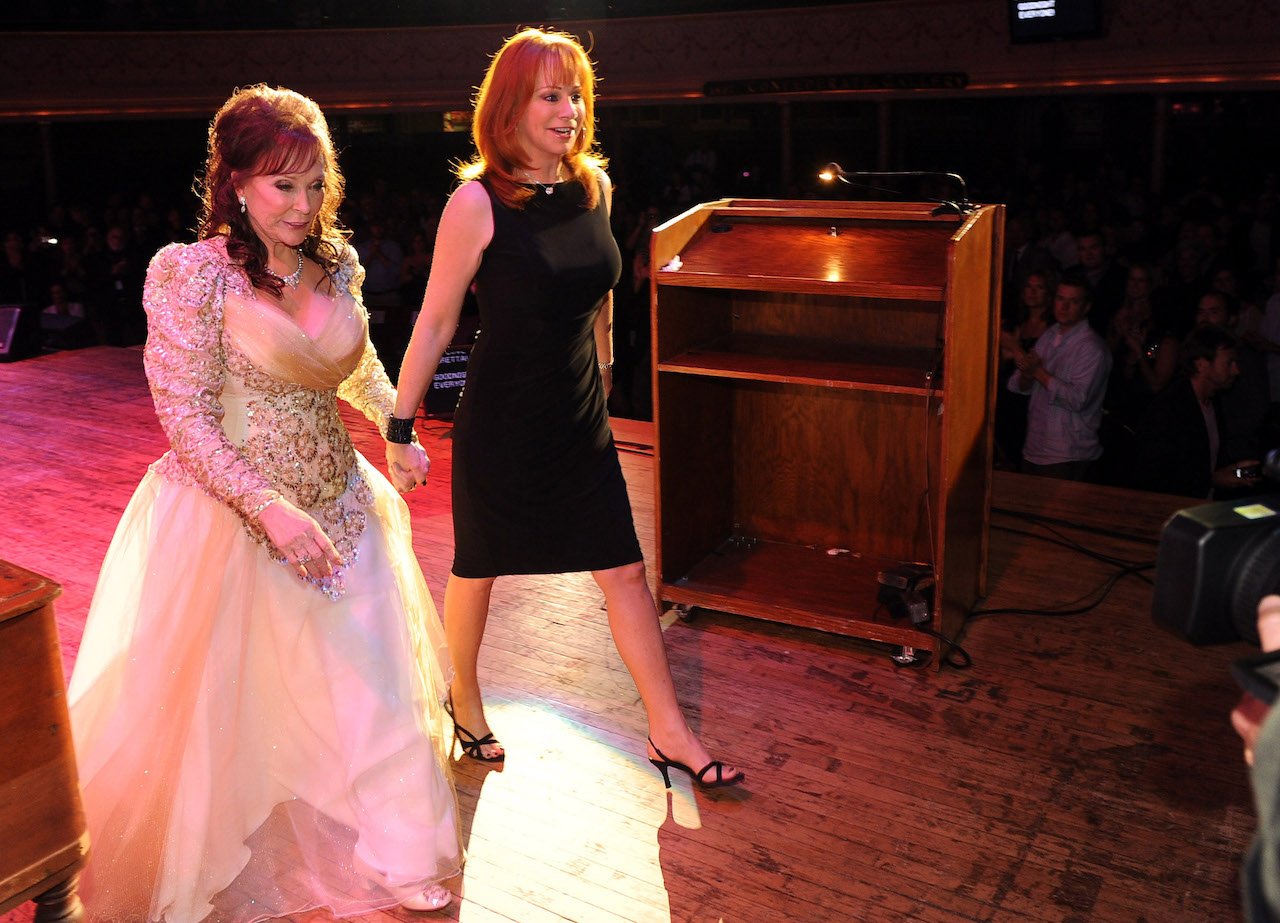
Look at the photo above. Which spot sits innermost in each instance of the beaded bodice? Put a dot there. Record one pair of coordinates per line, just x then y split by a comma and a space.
249, 400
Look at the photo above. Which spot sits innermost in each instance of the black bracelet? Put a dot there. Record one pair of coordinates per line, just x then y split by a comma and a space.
400, 431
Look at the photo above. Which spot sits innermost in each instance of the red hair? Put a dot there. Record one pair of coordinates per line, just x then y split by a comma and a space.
503, 98
261, 131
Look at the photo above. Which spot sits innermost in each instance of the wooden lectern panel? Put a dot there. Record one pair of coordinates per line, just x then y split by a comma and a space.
823, 396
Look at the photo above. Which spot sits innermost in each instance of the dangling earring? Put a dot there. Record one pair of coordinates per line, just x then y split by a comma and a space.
242, 207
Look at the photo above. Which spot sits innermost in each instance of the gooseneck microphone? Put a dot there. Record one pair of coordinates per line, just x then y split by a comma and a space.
961, 206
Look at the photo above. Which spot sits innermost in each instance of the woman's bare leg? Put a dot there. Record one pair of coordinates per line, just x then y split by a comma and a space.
633, 620
466, 611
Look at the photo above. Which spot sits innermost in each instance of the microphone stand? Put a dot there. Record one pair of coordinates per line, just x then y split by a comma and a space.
960, 207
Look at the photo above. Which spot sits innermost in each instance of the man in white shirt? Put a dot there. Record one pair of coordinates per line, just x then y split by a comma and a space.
1066, 376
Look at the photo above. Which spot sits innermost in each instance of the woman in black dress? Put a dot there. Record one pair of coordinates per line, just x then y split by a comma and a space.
537, 487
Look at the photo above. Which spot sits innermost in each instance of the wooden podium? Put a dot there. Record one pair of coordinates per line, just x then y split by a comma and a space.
43, 842
824, 382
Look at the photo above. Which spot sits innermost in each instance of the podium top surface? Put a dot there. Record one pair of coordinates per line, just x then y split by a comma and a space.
871, 249
779, 209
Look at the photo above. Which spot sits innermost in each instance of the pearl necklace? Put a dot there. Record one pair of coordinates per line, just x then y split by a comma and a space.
545, 187
293, 278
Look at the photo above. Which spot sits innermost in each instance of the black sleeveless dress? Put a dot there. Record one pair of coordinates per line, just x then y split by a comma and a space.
537, 487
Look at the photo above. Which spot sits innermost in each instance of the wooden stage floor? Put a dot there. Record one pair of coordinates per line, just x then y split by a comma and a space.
1082, 769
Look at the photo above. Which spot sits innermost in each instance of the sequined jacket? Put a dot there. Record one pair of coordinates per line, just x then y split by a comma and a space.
249, 402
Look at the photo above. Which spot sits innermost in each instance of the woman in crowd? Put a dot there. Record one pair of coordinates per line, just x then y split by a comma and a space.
1144, 359
1145, 353
537, 486
1032, 317
257, 700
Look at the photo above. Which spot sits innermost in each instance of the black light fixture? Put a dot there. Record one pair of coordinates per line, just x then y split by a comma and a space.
962, 206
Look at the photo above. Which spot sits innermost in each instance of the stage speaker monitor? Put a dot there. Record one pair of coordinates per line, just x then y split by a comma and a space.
19, 332
1216, 561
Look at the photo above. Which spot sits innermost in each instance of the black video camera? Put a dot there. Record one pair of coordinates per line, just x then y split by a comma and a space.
1216, 561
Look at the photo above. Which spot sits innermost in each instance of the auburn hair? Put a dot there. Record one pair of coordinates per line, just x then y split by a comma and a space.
260, 131
504, 96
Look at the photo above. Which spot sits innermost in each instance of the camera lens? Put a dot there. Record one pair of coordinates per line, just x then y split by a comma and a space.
1258, 574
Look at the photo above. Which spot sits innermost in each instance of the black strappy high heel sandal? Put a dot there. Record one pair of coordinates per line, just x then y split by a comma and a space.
664, 765
470, 743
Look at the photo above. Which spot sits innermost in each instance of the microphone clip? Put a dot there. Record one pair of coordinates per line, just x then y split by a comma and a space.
961, 208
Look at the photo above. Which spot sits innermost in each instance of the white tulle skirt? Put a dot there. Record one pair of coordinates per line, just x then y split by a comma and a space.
249, 748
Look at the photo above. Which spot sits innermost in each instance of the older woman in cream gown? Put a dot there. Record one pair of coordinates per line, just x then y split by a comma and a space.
254, 741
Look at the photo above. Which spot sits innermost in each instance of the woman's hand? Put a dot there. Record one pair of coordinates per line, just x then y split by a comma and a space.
1010, 348
407, 465
300, 539
1027, 363
1244, 473
1134, 340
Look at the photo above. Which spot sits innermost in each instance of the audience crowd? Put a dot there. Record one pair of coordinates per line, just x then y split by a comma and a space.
1175, 384
1140, 341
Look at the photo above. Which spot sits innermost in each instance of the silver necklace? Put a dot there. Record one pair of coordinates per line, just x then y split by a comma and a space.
293, 278
545, 187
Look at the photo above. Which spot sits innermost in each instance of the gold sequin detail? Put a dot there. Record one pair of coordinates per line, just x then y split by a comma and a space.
294, 444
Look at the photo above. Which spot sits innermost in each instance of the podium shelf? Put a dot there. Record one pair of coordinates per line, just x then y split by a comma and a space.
851, 289
899, 370
795, 585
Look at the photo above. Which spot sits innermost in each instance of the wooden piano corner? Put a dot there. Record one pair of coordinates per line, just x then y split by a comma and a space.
43, 843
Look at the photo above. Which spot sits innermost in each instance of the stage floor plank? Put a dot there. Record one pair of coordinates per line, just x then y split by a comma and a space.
1083, 769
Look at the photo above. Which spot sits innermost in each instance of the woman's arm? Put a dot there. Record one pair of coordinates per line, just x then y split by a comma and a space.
370, 391
1158, 374
466, 227
603, 328
367, 388
185, 369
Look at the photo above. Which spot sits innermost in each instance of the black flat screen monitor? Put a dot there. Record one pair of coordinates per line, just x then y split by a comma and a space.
1054, 20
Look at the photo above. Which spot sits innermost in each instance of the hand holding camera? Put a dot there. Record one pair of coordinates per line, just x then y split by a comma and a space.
1258, 677
1246, 473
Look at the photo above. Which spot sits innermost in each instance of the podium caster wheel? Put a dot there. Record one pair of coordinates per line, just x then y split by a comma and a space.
685, 612
912, 657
